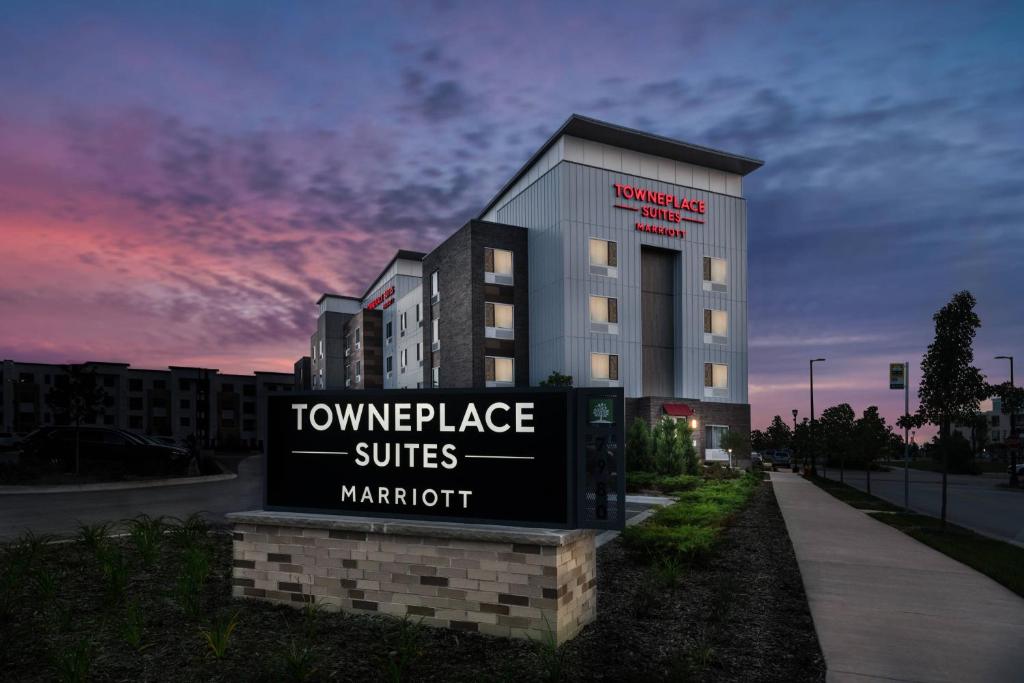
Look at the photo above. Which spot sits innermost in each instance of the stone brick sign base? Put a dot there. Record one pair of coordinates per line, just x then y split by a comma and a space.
504, 581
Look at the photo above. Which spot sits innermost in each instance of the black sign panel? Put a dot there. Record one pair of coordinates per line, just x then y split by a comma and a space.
503, 457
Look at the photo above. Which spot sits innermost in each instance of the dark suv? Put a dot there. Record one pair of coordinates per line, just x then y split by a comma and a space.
103, 449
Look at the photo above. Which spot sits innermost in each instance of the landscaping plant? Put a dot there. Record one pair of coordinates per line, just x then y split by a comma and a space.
638, 447
406, 650
298, 662
115, 575
73, 664
194, 570
146, 533
218, 635
132, 630
94, 536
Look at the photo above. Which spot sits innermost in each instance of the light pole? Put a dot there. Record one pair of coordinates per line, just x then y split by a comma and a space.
814, 430
795, 413
1013, 427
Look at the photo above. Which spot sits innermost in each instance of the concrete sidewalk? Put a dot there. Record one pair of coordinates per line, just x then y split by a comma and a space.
887, 607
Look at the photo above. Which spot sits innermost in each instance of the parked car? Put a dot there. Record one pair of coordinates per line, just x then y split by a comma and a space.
103, 448
8, 441
1020, 469
781, 458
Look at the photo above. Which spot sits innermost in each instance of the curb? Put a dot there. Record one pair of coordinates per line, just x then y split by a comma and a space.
114, 485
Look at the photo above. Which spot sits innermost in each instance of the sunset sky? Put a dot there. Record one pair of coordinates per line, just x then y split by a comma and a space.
180, 181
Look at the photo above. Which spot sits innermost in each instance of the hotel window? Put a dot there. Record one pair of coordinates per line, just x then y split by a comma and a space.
359, 370
604, 367
419, 351
498, 266
716, 379
403, 359
604, 259
435, 292
387, 365
359, 339
403, 321
498, 321
419, 318
435, 376
604, 314
498, 371
387, 333
716, 326
715, 273
435, 337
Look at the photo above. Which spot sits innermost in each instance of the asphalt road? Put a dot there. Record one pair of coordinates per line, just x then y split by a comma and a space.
976, 502
60, 513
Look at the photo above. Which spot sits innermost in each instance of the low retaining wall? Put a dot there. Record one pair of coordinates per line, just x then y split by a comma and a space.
503, 581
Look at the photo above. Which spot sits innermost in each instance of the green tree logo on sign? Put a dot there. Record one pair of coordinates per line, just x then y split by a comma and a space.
600, 410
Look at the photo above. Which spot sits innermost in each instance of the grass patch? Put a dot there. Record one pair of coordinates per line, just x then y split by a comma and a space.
651, 481
688, 528
853, 497
997, 560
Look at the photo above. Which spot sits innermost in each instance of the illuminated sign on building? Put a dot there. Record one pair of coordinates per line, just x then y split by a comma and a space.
384, 299
659, 206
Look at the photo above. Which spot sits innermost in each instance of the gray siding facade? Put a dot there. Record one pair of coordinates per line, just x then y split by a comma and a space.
573, 202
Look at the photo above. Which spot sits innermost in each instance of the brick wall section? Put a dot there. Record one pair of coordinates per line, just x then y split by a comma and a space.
496, 587
736, 416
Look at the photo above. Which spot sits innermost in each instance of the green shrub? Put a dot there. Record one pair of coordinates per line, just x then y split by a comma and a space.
218, 636
95, 536
73, 665
638, 447
189, 587
115, 575
146, 533
684, 542
651, 481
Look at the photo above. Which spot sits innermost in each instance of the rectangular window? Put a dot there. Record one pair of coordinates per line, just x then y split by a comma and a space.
387, 365
604, 309
435, 334
358, 336
159, 384
434, 290
135, 385
715, 271
498, 320
498, 370
604, 366
418, 316
185, 404
402, 320
135, 422
403, 358
387, 333
716, 326
498, 266
716, 376
603, 253
359, 370
419, 351
135, 403
435, 375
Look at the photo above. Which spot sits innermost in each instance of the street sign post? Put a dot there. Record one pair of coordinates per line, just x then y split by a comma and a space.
898, 374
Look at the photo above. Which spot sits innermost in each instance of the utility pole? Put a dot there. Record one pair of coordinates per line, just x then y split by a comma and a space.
906, 433
814, 430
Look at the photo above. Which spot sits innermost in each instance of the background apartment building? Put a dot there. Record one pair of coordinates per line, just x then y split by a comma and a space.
221, 410
614, 256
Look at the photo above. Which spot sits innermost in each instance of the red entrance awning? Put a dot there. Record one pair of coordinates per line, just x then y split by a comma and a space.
677, 409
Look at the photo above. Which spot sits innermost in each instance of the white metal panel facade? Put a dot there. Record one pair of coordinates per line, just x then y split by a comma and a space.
573, 202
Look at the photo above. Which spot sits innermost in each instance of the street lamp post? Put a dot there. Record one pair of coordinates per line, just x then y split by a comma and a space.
1013, 428
814, 430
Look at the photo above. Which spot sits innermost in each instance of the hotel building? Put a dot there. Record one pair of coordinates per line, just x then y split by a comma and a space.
613, 256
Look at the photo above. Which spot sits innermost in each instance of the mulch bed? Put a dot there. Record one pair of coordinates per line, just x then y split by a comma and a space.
740, 616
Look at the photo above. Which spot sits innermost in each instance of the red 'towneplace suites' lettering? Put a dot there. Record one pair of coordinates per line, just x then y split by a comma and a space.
382, 298
666, 199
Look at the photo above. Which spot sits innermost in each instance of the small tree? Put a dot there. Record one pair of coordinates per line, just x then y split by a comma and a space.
803, 442
667, 456
951, 387
736, 443
77, 399
686, 450
557, 379
871, 438
638, 447
759, 440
